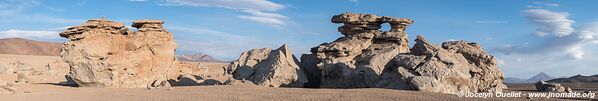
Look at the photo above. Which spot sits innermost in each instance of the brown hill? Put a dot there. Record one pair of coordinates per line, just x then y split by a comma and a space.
577, 79
197, 58
22, 46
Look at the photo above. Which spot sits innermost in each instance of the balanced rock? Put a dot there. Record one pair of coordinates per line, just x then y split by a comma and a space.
367, 57
552, 87
267, 67
103, 53
456, 66
358, 58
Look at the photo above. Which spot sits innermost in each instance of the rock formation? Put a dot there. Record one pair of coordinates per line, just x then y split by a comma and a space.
368, 57
267, 67
103, 53
358, 58
552, 87
6, 88
456, 66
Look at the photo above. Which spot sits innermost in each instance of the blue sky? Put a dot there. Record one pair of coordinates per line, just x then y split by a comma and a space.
527, 36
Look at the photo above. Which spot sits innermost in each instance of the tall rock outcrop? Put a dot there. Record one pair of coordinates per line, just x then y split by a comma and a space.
267, 67
358, 58
368, 57
103, 53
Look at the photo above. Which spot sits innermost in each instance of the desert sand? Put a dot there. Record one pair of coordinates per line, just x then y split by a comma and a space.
48, 88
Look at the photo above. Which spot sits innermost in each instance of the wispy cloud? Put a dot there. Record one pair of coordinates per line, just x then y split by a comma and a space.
560, 45
547, 3
557, 35
260, 11
550, 22
138, 0
273, 19
29, 34
12, 7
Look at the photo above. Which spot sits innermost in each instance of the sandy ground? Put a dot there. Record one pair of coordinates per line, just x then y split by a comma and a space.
47, 88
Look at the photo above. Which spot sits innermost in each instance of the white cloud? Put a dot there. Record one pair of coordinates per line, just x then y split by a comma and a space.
12, 7
260, 11
29, 34
500, 61
547, 3
518, 59
37, 18
354, 1
273, 19
138, 0
563, 40
575, 53
262, 5
570, 48
550, 22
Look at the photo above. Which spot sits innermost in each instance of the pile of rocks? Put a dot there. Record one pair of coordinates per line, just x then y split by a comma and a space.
103, 53
368, 57
267, 67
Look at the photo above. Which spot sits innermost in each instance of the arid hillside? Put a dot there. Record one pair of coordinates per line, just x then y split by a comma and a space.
20, 46
197, 58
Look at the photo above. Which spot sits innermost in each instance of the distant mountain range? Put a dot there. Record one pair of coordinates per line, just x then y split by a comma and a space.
20, 46
577, 79
539, 77
197, 58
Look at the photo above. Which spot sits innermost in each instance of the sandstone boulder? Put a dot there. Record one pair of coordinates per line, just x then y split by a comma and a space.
103, 53
267, 67
552, 87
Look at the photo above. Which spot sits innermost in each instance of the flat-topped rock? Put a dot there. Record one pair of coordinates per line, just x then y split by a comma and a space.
148, 24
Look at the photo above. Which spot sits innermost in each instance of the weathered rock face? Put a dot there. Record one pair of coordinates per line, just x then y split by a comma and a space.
267, 67
6, 88
368, 57
456, 66
552, 87
358, 58
104, 53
